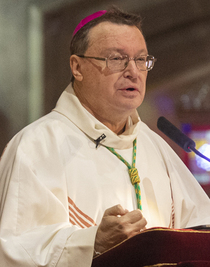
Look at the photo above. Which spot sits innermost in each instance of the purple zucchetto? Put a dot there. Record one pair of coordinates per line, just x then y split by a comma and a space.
88, 19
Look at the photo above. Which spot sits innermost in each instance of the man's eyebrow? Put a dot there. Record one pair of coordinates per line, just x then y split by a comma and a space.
116, 49
113, 49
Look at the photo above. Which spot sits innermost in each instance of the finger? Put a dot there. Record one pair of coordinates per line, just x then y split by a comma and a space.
143, 229
137, 227
115, 210
133, 216
140, 225
126, 211
132, 222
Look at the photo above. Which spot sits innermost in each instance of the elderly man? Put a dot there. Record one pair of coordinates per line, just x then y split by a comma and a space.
90, 174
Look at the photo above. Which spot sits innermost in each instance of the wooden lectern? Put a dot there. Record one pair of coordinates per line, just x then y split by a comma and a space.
160, 247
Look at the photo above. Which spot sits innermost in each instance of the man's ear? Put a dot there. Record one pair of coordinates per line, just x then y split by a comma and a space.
75, 64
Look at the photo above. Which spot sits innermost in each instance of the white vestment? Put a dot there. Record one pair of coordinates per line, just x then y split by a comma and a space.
55, 186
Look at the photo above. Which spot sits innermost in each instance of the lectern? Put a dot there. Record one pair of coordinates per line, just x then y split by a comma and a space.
160, 247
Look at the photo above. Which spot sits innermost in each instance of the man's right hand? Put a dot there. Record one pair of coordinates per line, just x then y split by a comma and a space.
117, 225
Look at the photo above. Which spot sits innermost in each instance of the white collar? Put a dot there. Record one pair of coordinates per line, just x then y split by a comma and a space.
70, 106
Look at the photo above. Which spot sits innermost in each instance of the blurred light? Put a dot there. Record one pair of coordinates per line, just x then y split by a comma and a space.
202, 163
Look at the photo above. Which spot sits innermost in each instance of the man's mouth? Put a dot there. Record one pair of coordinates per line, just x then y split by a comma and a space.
130, 89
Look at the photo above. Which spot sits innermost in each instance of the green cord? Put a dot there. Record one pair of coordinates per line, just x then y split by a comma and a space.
133, 172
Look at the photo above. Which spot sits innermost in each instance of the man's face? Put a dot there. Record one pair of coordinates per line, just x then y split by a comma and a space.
102, 91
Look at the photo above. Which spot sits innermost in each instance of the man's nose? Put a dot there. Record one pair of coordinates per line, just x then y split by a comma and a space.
131, 69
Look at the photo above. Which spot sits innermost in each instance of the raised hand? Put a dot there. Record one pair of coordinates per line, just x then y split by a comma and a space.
117, 225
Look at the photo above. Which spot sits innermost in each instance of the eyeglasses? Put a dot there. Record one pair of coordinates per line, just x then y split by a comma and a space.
120, 63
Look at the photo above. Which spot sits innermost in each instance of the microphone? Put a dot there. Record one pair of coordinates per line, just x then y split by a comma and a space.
175, 134
99, 139
178, 137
